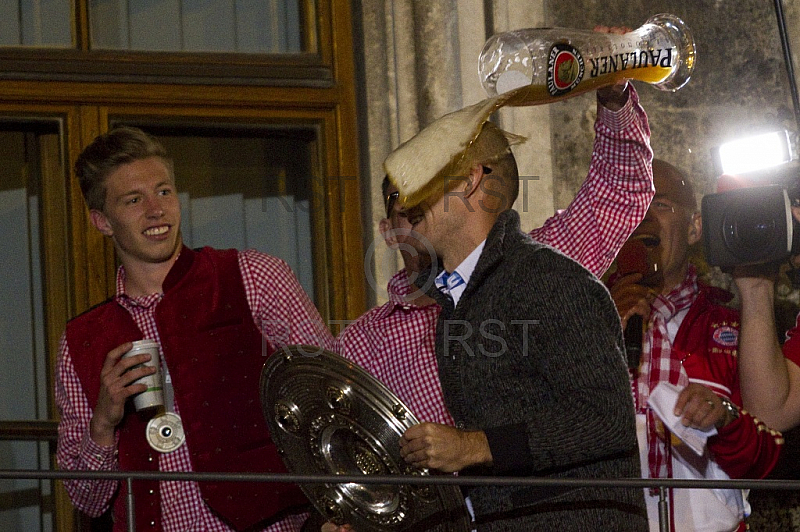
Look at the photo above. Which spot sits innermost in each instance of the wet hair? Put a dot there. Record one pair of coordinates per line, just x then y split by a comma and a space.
109, 151
492, 150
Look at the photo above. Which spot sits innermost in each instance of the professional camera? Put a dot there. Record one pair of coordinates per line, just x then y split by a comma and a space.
754, 224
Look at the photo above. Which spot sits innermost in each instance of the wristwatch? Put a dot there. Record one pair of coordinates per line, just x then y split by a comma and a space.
731, 412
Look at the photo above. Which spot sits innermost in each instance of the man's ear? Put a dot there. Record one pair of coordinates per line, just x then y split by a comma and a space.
476, 175
100, 221
389, 236
695, 228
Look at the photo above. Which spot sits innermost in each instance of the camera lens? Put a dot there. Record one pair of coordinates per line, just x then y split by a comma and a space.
754, 224
750, 230
748, 226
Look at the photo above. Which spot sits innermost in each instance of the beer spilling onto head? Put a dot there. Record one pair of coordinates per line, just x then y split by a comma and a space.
540, 65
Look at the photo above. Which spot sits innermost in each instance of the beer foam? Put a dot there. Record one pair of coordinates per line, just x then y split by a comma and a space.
418, 167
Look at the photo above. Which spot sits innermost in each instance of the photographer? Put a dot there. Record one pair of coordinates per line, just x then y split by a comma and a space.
752, 246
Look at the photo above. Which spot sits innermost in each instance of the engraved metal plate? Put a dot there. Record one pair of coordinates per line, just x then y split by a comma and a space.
329, 416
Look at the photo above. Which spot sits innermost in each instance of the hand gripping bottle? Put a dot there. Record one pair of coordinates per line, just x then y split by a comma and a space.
542, 65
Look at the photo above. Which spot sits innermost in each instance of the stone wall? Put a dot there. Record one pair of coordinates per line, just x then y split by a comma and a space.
739, 85
418, 60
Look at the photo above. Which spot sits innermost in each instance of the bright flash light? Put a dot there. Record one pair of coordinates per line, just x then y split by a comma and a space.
750, 154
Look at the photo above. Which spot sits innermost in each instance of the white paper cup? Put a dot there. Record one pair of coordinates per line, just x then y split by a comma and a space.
154, 395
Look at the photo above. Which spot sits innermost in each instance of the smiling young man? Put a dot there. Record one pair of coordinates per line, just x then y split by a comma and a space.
216, 314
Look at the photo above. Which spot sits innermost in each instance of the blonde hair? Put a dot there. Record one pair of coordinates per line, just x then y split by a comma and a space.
107, 152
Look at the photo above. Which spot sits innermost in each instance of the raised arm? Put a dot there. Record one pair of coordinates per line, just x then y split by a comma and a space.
617, 191
769, 375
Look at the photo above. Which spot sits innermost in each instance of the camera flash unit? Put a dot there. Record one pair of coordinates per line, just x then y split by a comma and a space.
751, 154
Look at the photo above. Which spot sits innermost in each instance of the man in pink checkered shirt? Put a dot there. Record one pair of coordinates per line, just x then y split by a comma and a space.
395, 341
216, 315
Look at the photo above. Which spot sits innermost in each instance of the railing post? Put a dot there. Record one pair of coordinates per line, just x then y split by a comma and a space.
131, 506
663, 509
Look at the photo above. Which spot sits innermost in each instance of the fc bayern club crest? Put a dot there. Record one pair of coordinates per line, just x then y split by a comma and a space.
726, 336
564, 69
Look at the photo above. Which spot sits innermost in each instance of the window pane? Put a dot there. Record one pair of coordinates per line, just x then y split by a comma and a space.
27, 504
246, 187
245, 26
42, 23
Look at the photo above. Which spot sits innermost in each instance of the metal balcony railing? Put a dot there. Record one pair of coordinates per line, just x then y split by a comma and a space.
48, 431
663, 484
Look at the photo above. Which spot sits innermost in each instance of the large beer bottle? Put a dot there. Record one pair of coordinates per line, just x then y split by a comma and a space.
541, 65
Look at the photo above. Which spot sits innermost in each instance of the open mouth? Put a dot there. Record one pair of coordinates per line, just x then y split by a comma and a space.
156, 231
649, 241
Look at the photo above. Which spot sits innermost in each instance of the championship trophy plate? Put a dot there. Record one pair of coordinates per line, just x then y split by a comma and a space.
330, 417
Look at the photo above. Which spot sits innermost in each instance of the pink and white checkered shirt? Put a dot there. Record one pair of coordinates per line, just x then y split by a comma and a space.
395, 342
275, 298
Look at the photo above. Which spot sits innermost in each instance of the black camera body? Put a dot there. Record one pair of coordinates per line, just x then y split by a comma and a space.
754, 224
750, 226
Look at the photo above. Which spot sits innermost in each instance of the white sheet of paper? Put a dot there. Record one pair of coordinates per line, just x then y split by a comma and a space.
662, 400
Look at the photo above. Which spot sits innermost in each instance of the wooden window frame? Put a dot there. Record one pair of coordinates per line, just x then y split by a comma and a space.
314, 87
316, 67
84, 88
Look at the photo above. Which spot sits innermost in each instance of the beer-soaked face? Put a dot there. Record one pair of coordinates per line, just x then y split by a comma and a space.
668, 229
398, 232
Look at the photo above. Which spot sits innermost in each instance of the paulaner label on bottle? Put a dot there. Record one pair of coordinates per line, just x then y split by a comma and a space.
659, 57
564, 69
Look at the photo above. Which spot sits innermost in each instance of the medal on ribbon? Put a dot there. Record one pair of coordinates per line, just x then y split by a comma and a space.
165, 432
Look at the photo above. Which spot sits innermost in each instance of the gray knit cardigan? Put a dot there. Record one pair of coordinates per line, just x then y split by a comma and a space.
533, 355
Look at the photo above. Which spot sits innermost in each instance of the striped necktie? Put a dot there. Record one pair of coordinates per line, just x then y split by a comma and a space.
446, 282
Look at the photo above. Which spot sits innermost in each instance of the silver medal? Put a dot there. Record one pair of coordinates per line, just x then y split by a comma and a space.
165, 432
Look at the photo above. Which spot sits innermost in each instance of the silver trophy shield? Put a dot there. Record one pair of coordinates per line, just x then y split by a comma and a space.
330, 417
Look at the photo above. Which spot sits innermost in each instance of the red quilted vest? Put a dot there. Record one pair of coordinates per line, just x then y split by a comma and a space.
215, 354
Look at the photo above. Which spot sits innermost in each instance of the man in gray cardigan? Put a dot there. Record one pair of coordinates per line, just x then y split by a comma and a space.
530, 355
